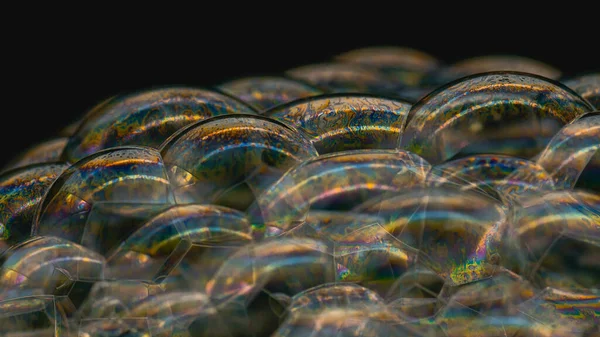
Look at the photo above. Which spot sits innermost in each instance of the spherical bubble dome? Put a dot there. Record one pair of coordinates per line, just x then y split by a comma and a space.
21, 192
488, 63
588, 86
266, 92
228, 160
117, 175
45, 152
146, 118
496, 113
346, 122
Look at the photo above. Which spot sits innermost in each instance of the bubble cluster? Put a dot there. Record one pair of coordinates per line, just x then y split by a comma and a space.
379, 193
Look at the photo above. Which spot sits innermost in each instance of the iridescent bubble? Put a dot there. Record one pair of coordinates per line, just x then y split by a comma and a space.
483, 64
574, 152
372, 257
32, 316
114, 327
559, 236
346, 122
337, 182
458, 233
21, 191
49, 263
565, 311
45, 152
494, 175
344, 78
334, 225
181, 313
588, 86
146, 118
263, 93
193, 240
119, 175
333, 295
344, 322
228, 160
405, 65
495, 113
286, 266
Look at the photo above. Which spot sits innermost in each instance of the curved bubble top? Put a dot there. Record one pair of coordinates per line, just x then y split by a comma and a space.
483, 64
343, 78
21, 192
338, 182
500, 113
227, 160
347, 122
118, 175
146, 118
45, 152
588, 86
266, 92
571, 151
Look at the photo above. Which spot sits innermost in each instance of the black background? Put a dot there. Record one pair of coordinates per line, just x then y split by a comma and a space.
56, 77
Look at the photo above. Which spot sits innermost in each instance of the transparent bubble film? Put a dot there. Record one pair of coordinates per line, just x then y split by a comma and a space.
381, 192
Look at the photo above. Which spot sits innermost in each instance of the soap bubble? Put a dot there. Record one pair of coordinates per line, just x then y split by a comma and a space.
588, 86
483, 64
21, 191
118, 175
346, 122
229, 160
263, 93
46, 152
146, 118
495, 113
573, 153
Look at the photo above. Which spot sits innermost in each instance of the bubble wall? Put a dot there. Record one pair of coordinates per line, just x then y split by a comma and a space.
381, 192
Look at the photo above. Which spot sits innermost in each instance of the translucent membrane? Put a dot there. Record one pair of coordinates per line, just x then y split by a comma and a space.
229, 160
337, 182
458, 234
344, 78
588, 86
146, 118
401, 64
333, 295
117, 298
46, 152
286, 266
21, 191
489, 63
50, 264
32, 316
346, 122
500, 176
263, 93
189, 240
495, 113
558, 235
573, 152
119, 175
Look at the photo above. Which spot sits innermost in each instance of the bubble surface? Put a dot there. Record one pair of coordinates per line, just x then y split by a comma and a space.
229, 160
146, 118
263, 93
501, 113
119, 175
588, 86
46, 152
21, 191
346, 122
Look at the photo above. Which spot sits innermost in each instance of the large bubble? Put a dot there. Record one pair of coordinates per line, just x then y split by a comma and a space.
266, 92
21, 192
229, 160
115, 176
146, 118
347, 122
495, 113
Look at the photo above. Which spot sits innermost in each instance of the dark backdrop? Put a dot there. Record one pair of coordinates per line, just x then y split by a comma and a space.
58, 78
